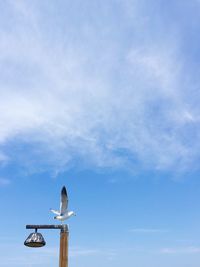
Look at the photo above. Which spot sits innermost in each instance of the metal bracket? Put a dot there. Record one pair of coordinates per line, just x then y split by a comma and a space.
63, 227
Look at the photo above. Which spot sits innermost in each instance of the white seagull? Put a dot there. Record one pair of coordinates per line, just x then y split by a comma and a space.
63, 214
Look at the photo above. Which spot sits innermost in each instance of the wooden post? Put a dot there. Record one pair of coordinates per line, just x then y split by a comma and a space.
64, 235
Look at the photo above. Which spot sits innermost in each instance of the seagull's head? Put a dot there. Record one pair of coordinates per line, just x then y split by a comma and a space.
72, 213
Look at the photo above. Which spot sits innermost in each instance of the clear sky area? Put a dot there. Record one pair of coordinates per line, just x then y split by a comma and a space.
102, 97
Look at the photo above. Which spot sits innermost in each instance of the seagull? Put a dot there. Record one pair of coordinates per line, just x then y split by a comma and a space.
63, 214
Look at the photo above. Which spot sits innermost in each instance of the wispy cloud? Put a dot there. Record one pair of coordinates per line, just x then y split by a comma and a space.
147, 230
81, 92
182, 250
77, 252
4, 181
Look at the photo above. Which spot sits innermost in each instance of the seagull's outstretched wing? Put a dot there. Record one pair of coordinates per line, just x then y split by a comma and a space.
64, 200
55, 211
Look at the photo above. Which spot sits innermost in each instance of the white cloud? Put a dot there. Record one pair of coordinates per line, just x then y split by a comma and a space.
94, 97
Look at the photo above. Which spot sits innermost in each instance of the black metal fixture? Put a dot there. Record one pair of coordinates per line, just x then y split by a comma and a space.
35, 240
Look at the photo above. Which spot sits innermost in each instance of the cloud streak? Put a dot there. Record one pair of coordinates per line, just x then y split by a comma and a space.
184, 250
147, 230
78, 91
4, 182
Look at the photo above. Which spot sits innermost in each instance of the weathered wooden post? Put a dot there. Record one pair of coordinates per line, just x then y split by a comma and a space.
64, 236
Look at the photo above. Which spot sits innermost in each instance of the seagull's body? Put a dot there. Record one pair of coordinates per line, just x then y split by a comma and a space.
63, 214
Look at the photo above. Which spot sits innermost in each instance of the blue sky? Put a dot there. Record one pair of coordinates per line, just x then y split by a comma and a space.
103, 97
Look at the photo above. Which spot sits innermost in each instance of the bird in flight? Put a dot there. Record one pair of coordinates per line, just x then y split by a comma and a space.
63, 214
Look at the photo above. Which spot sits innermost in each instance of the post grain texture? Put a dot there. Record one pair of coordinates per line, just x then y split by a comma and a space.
64, 236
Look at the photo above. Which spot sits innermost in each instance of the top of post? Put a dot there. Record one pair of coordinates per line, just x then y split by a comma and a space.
64, 228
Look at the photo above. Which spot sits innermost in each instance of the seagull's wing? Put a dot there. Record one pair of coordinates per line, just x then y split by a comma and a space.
64, 200
55, 211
